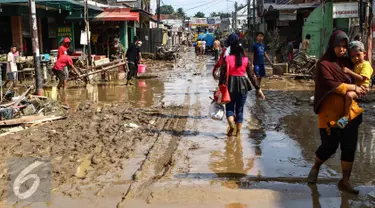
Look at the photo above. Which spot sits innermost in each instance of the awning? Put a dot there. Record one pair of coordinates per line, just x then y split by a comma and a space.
61, 4
118, 14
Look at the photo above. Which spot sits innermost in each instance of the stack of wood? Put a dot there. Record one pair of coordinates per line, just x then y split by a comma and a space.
27, 110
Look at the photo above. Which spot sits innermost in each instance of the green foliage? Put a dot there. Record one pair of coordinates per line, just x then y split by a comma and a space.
220, 14
180, 13
273, 39
166, 9
199, 15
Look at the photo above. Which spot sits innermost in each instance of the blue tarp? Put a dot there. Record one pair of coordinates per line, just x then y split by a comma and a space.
208, 38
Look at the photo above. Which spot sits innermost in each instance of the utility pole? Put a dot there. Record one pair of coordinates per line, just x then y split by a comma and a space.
35, 45
248, 24
158, 13
88, 32
254, 10
235, 15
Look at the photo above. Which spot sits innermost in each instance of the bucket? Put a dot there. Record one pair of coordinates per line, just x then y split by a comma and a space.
141, 68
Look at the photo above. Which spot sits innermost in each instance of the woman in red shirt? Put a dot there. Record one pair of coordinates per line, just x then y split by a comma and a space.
238, 85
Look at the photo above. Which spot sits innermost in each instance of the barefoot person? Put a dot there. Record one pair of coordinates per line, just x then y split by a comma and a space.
238, 85
258, 53
331, 86
362, 74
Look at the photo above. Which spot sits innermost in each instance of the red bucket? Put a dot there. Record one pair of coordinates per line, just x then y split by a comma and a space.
141, 68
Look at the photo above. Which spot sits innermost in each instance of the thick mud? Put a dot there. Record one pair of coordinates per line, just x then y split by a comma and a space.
153, 145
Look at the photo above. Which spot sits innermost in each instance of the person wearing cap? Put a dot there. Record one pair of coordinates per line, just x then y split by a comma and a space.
58, 69
362, 74
134, 57
63, 50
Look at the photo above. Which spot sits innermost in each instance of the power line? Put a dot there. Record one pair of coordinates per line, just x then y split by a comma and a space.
199, 5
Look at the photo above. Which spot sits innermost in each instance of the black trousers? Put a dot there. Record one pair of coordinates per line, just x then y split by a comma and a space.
133, 69
347, 139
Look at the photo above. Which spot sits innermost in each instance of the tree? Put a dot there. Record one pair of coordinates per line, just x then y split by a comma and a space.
214, 14
180, 13
220, 14
199, 15
166, 9
224, 15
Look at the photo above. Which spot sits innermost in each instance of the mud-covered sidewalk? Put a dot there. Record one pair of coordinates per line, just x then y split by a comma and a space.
153, 145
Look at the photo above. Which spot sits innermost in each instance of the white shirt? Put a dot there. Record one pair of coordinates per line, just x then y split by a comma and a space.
227, 52
12, 66
204, 44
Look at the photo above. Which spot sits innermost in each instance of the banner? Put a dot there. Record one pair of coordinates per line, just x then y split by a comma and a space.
345, 10
65, 32
213, 20
198, 21
287, 15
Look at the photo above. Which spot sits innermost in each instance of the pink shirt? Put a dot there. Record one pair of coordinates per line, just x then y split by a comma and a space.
237, 71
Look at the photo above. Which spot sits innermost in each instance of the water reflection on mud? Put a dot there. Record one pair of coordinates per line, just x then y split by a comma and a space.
144, 93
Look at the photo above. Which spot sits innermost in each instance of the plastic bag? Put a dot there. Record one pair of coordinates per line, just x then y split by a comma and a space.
217, 111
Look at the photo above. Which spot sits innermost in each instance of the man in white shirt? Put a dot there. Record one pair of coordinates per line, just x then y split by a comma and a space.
204, 46
11, 67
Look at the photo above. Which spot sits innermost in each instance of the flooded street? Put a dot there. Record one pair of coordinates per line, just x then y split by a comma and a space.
180, 157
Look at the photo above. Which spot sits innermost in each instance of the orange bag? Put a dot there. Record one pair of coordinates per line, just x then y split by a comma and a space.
222, 95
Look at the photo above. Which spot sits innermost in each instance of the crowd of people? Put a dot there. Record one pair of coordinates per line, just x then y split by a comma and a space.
342, 76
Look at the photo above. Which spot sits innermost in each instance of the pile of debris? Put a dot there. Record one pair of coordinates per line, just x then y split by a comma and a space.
166, 53
304, 64
28, 110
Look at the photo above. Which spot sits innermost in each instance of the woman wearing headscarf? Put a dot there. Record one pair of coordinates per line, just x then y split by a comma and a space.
331, 86
225, 52
238, 85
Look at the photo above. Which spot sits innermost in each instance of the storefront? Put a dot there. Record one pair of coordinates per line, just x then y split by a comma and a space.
52, 24
345, 16
323, 21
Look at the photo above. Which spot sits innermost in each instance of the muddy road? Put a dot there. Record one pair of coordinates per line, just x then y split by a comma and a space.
153, 145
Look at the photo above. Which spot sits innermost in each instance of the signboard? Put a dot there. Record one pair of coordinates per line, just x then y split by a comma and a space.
287, 15
83, 40
63, 32
213, 20
198, 21
345, 10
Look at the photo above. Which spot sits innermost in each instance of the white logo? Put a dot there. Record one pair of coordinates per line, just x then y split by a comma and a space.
23, 177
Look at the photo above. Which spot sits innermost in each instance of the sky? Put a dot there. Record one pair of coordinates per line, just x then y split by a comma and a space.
191, 7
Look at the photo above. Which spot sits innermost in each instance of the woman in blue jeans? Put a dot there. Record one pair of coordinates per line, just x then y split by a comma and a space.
238, 85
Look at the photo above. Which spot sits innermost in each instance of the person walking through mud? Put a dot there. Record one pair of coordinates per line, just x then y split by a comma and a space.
331, 86
204, 46
133, 56
238, 85
258, 53
217, 48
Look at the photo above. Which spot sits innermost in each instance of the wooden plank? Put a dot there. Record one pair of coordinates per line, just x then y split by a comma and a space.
101, 62
104, 69
29, 119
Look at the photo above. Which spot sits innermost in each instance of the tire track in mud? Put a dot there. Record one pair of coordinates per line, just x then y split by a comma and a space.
159, 158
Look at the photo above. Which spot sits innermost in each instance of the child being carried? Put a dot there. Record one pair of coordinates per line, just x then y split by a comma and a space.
362, 74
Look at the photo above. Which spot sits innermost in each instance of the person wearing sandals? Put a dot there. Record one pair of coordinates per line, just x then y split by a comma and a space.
238, 85
331, 87
362, 74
